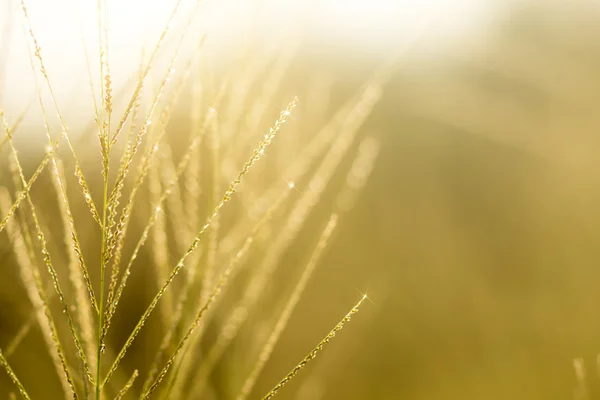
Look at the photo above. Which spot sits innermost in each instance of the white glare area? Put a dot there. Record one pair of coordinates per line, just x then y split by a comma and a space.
384, 23
63, 26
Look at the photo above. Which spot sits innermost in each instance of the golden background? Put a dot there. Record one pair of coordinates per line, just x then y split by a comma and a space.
476, 236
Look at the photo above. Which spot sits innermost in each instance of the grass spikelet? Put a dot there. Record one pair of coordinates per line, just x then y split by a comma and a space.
18, 175
48, 263
178, 214
157, 190
33, 284
15, 125
315, 351
111, 308
122, 225
232, 266
188, 222
185, 364
288, 309
13, 376
25, 190
144, 73
63, 125
106, 91
127, 159
197, 320
78, 272
110, 210
258, 152
288, 233
127, 386
79, 275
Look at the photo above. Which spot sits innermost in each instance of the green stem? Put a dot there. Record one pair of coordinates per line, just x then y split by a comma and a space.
101, 303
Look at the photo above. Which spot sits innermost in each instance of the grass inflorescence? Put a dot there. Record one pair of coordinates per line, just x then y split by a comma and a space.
202, 206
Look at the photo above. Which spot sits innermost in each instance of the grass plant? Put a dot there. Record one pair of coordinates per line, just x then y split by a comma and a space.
149, 198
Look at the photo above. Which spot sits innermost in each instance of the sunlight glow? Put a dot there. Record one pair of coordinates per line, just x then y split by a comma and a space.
62, 26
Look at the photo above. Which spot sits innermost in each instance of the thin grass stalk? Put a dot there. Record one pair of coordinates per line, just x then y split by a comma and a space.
105, 142
22, 194
64, 202
270, 87
234, 265
121, 228
364, 102
257, 154
223, 280
131, 150
196, 323
102, 114
15, 125
257, 113
127, 386
13, 377
78, 272
21, 334
208, 271
286, 236
127, 211
315, 351
158, 208
63, 125
82, 182
180, 227
288, 309
145, 71
22, 246
126, 161
78, 269
103, 250
46, 255
50, 267
32, 281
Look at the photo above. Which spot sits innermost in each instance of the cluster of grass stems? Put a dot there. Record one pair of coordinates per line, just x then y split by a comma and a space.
141, 170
